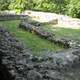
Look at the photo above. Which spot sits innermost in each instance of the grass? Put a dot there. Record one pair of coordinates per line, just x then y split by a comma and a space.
35, 43
31, 41
73, 34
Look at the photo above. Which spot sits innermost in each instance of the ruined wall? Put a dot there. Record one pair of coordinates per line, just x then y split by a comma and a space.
22, 65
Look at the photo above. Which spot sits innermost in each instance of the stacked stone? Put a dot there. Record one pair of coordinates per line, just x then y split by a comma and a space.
21, 65
66, 43
11, 52
13, 17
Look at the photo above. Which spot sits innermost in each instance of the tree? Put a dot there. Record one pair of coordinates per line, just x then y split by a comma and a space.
69, 7
74, 8
4, 4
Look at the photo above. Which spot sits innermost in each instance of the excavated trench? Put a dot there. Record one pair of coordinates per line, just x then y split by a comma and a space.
16, 62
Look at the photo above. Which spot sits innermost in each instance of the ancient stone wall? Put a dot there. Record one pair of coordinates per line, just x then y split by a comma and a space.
22, 65
13, 17
67, 43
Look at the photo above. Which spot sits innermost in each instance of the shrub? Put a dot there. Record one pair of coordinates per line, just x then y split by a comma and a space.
74, 8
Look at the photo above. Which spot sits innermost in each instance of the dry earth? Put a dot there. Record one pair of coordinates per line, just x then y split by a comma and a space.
61, 20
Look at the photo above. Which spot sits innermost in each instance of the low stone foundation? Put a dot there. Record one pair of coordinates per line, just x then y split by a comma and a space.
18, 64
67, 43
13, 17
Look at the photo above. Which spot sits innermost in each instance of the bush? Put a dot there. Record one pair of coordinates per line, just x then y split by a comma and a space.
4, 4
74, 8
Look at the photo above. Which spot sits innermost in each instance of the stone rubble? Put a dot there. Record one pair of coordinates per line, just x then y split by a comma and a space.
22, 65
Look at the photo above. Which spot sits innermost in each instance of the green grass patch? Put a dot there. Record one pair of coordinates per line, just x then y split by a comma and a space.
73, 34
31, 41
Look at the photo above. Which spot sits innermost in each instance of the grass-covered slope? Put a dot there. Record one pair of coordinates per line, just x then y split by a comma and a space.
32, 41
35, 43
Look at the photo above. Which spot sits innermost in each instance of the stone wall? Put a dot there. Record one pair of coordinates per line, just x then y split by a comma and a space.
22, 65
66, 43
13, 17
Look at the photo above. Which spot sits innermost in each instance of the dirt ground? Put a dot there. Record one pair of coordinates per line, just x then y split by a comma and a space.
62, 20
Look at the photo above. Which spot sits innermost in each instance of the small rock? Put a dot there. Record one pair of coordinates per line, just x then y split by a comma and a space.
34, 75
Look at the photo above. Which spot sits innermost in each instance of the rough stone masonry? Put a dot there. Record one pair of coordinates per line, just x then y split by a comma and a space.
17, 63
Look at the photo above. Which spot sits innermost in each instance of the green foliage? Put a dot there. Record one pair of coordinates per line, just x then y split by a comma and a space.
43, 5
20, 5
69, 7
4, 4
74, 8
57, 6
17, 5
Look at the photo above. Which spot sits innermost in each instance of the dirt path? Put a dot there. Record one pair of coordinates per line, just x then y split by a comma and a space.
62, 20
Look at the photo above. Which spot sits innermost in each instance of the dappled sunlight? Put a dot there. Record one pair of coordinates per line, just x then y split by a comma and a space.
55, 19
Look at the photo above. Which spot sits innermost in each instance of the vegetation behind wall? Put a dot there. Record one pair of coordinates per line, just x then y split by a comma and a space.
67, 7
